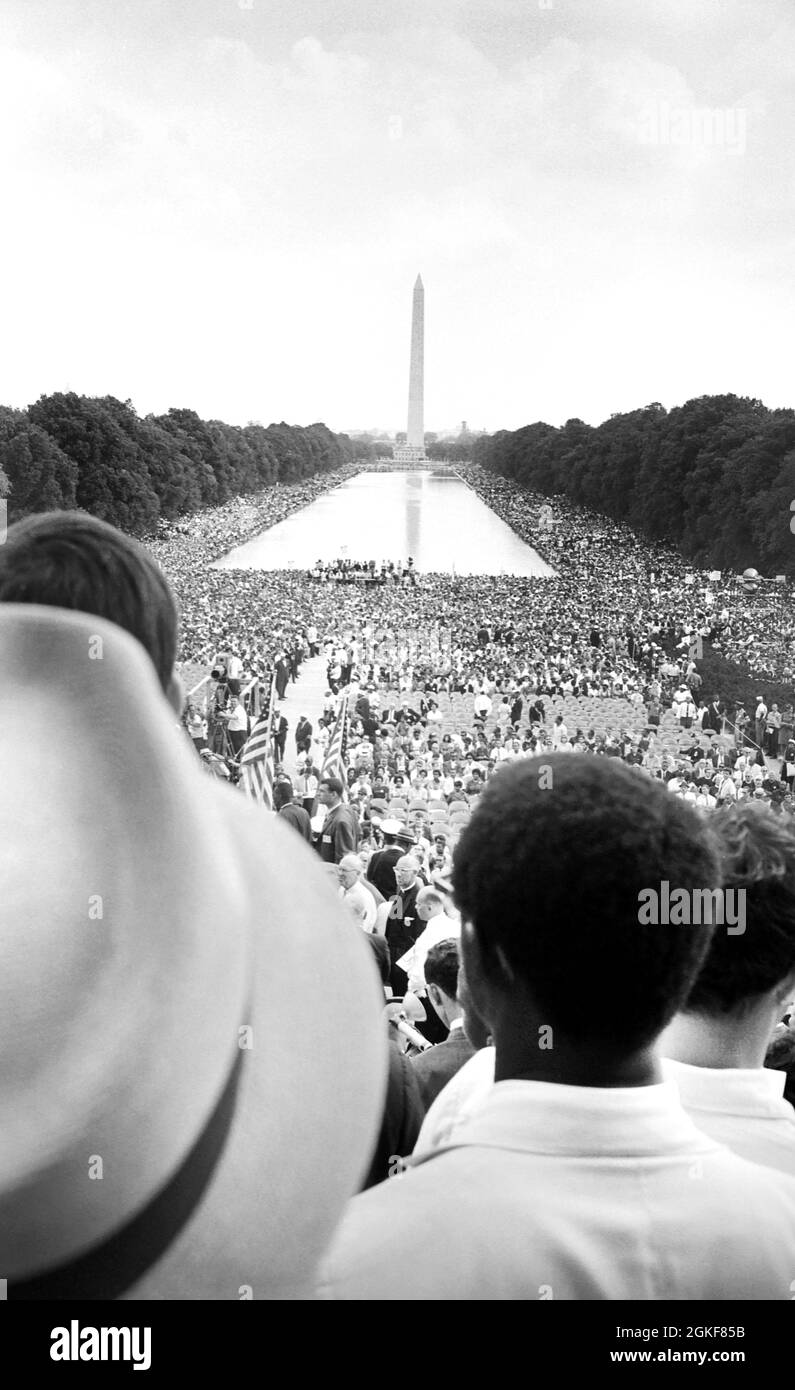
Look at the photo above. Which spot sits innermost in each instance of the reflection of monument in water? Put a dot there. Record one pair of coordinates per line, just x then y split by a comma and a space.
413, 451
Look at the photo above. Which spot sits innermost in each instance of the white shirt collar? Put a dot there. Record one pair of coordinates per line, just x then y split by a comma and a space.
748, 1091
548, 1118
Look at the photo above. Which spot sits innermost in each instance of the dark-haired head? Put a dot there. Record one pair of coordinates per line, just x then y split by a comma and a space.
331, 785
757, 851
442, 965
73, 560
282, 793
548, 876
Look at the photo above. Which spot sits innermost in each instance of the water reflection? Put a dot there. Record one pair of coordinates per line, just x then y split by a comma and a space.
432, 516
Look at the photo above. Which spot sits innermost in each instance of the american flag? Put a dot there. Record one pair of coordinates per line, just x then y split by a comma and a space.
257, 770
334, 761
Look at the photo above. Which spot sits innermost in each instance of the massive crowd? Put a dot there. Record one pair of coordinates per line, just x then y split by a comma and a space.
207, 535
559, 1088
606, 650
648, 588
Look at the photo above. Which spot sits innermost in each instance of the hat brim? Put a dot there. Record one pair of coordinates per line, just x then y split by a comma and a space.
120, 1034
391, 827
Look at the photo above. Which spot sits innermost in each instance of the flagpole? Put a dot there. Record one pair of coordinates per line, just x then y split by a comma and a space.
257, 761
334, 760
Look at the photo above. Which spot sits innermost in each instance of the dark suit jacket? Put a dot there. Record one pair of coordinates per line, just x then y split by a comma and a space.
340, 834
303, 731
435, 1067
403, 926
296, 816
381, 869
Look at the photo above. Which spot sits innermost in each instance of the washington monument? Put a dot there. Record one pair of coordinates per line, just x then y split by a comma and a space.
413, 450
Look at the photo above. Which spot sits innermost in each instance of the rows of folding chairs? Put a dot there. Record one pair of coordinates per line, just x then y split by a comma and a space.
441, 817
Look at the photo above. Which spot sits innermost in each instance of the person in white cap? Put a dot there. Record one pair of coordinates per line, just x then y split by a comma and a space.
381, 868
306, 783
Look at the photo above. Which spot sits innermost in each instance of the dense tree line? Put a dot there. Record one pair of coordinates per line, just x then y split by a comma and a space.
98, 454
715, 477
458, 450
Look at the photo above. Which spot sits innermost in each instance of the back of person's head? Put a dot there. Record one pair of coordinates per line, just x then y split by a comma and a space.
757, 850
442, 965
73, 560
430, 900
351, 863
333, 784
552, 872
282, 792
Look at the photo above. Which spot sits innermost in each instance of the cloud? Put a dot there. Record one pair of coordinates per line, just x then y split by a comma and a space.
229, 207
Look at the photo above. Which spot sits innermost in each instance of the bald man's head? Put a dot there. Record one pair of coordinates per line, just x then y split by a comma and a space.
429, 903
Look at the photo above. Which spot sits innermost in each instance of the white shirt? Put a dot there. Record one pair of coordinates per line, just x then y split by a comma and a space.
361, 903
439, 928
742, 1108
307, 785
238, 720
457, 1101
583, 1192
706, 800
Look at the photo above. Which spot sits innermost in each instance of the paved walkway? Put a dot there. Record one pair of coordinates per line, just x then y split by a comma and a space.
304, 697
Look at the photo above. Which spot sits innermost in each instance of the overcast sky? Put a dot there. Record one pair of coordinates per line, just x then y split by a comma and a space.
224, 204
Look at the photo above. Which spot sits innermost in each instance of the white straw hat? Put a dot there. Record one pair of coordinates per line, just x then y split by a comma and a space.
181, 1116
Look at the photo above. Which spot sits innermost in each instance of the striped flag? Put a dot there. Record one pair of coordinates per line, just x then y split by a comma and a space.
334, 761
253, 693
257, 769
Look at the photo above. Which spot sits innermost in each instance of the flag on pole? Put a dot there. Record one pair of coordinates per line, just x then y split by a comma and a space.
254, 693
334, 761
257, 771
